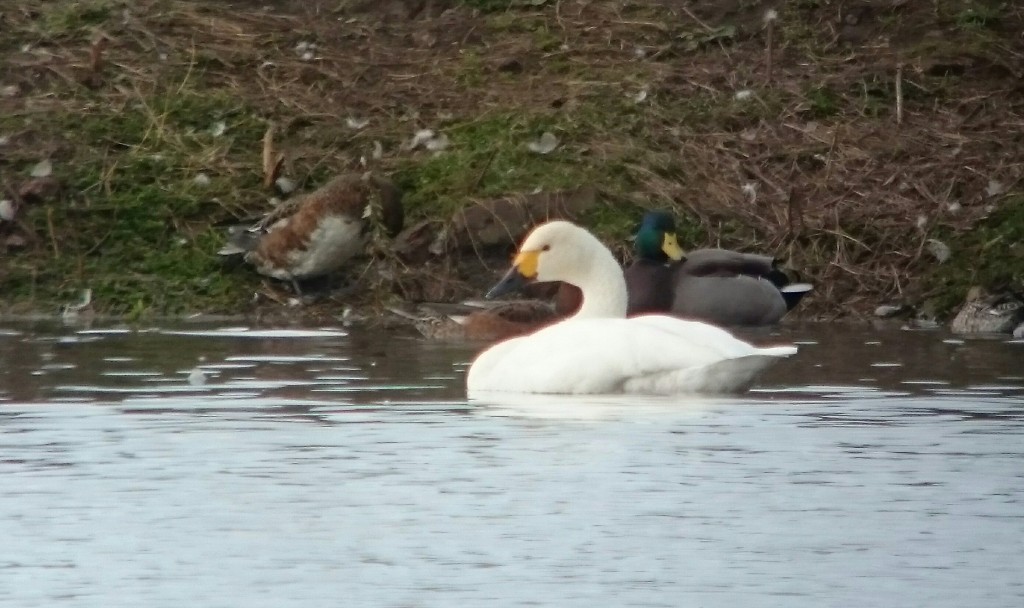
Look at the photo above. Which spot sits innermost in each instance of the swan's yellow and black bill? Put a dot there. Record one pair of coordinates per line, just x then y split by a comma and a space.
522, 273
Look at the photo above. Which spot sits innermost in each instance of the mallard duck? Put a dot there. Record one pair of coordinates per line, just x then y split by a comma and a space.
714, 285
598, 350
985, 313
649, 278
315, 234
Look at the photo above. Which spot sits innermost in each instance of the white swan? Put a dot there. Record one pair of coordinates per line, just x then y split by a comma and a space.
598, 350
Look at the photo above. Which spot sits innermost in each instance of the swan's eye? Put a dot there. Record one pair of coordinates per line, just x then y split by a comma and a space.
546, 248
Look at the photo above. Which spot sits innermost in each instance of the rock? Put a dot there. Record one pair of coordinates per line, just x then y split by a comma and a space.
42, 169
545, 145
285, 185
886, 311
8, 210
938, 249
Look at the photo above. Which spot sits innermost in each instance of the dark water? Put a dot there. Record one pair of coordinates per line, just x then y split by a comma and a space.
325, 467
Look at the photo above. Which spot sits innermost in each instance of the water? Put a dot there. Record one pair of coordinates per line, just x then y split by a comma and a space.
200, 466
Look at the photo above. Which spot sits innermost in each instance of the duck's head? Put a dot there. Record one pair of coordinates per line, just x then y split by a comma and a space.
656, 240
555, 251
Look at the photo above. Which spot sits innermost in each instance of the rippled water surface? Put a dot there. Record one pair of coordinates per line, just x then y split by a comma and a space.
213, 466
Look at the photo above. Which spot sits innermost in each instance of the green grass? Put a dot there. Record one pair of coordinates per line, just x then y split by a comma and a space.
489, 6
76, 19
137, 228
489, 156
823, 101
979, 15
694, 39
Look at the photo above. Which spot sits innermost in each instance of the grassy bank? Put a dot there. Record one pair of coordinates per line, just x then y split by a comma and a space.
879, 130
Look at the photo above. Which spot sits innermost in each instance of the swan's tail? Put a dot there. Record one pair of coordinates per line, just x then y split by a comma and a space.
734, 375
776, 351
725, 376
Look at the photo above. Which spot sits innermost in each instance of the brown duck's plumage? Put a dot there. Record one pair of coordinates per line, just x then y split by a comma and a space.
717, 286
568, 299
500, 321
291, 243
984, 313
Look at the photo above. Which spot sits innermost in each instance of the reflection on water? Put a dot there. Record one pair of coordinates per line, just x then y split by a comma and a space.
226, 467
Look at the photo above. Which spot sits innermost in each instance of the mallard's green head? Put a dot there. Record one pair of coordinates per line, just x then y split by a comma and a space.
656, 239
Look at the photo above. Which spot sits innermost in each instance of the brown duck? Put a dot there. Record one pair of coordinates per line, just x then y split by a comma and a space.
985, 313
492, 321
315, 234
468, 322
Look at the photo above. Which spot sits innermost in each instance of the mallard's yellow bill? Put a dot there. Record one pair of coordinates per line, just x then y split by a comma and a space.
670, 245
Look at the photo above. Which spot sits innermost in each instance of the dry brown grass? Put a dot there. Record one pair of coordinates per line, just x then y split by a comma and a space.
844, 189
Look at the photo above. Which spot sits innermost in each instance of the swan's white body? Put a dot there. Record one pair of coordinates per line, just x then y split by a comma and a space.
598, 350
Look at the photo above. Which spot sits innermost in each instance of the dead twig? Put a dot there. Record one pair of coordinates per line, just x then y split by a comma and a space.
706, 27
53, 232
831, 153
769, 23
96, 54
272, 159
899, 94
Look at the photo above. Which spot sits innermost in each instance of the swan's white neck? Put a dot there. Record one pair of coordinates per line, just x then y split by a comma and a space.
602, 284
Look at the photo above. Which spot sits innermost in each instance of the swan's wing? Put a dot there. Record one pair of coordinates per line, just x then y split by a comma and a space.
714, 362
696, 341
605, 355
